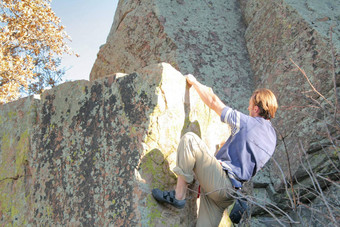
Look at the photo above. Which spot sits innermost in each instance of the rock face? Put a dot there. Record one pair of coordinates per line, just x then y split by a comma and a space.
89, 153
307, 123
212, 41
16, 120
275, 34
204, 38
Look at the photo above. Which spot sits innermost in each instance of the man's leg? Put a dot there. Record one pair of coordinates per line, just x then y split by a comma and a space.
193, 157
181, 188
177, 197
210, 213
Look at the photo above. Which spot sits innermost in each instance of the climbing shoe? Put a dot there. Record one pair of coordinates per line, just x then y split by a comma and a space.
239, 208
167, 197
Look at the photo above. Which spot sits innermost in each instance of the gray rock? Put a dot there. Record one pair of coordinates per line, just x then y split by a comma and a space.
89, 153
204, 38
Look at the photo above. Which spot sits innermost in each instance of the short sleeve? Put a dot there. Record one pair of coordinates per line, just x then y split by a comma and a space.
232, 118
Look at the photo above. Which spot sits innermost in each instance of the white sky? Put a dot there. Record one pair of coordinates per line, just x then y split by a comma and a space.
88, 22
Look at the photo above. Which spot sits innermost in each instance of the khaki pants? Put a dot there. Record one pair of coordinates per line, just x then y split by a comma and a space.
193, 159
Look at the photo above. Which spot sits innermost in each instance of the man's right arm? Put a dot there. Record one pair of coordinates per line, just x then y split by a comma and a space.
207, 95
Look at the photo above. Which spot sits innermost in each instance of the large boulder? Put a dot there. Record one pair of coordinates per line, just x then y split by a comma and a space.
16, 120
89, 153
204, 38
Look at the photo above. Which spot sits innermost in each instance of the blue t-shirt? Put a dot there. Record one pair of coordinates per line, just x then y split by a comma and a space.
251, 144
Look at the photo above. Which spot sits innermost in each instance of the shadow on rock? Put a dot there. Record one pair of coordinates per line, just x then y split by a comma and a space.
155, 170
189, 126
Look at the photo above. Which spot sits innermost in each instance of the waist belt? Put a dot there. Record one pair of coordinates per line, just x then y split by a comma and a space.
236, 183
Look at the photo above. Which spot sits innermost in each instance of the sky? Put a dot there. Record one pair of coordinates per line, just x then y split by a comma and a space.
88, 22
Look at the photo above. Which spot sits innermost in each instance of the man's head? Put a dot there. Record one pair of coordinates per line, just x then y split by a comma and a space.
263, 104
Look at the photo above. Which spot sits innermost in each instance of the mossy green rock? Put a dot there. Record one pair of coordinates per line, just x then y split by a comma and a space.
16, 130
89, 153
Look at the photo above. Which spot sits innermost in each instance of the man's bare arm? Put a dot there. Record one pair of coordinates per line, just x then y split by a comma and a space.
207, 95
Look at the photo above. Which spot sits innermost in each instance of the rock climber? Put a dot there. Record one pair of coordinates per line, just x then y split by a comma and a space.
251, 144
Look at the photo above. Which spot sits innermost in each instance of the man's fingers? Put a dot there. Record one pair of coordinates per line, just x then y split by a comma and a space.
190, 79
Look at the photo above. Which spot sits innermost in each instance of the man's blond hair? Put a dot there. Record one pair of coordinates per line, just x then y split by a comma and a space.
266, 101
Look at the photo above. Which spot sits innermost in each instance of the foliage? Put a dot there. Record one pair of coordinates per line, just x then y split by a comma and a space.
44, 77
30, 34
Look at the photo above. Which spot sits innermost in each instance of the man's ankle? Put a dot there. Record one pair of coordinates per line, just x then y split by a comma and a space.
181, 188
179, 196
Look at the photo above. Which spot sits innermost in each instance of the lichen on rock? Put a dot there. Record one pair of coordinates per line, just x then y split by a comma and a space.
96, 149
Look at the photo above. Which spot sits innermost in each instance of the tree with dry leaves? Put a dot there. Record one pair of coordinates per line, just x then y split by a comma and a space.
31, 36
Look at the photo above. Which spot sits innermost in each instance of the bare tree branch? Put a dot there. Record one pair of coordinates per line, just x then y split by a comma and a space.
316, 91
317, 186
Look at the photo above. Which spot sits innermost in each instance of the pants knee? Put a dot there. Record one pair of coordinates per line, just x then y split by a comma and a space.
189, 135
